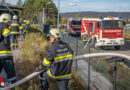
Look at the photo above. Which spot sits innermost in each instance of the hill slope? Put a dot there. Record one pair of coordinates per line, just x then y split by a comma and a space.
125, 15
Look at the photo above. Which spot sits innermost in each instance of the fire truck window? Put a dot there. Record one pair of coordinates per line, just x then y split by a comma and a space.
91, 29
124, 23
76, 22
98, 24
112, 24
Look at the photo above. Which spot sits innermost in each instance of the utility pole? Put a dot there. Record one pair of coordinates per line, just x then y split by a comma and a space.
58, 18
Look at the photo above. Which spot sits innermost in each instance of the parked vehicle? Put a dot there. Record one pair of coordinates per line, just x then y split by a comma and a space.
105, 31
74, 26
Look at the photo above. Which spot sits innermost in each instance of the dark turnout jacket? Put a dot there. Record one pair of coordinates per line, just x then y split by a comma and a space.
60, 58
14, 27
5, 50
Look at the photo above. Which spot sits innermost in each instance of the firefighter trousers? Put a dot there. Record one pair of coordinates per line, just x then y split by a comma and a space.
8, 65
62, 83
14, 41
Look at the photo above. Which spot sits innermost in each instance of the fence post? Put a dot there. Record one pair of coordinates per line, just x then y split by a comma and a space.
62, 37
76, 53
68, 39
115, 69
89, 67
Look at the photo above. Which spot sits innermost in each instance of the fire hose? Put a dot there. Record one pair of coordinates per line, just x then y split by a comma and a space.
76, 58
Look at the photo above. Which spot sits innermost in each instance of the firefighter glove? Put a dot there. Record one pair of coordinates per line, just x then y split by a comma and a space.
41, 67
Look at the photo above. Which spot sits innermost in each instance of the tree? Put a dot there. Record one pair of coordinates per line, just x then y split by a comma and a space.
3, 1
34, 8
19, 3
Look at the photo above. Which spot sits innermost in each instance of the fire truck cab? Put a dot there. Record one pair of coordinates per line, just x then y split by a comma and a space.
74, 26
105, 31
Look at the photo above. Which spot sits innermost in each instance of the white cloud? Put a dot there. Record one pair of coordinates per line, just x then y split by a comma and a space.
72, 4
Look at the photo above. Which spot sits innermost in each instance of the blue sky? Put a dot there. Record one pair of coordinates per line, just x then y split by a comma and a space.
91, 5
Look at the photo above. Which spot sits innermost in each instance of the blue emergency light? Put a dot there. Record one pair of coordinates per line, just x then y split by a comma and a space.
101, 18
120, 18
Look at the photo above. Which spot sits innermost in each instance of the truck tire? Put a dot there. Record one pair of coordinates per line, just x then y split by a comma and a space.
117, 47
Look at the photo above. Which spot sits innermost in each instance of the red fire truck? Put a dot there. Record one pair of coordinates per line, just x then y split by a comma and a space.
105, 31
74, 26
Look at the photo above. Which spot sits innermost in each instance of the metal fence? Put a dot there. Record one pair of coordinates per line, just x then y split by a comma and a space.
114, 71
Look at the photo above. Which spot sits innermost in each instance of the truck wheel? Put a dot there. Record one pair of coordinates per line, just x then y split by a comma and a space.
69, 33
117, 47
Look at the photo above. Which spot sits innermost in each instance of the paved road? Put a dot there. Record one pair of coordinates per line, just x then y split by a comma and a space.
124, 49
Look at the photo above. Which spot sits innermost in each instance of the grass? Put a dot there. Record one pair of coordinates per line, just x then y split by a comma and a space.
127, 35
36, 26
33, 49
76, 82
63, 30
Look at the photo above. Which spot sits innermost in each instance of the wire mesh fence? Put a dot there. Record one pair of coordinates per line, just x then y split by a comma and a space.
115, 72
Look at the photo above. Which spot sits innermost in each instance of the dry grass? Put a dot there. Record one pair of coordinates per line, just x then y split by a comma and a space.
127, 36
76, 82
36, 26
33, 49
63, 30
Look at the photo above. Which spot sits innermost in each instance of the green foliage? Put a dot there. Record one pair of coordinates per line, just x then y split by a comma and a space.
34, 8
19, 3
3, 1
64, 21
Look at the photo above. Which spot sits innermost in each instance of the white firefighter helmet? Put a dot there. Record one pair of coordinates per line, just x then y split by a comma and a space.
5, 18
55, 32
24, 20
15, 17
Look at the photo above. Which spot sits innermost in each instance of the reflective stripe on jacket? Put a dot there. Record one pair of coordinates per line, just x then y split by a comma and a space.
60, 58
84, 37
14, 27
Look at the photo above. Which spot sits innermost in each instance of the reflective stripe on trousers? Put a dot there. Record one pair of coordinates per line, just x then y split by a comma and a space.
6, 53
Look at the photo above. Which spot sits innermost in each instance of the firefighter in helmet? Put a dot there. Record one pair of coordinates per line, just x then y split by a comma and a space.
6, 57
59, 59
84, 37
14, 28
27, 26
24, 28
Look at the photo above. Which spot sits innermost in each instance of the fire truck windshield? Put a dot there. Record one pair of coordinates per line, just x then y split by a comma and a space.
76, 22
111, 24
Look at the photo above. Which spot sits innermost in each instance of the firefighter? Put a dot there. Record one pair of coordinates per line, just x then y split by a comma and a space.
27, 26
14, 32
59, 60
6, 57
21, 32
24, 28
84, 37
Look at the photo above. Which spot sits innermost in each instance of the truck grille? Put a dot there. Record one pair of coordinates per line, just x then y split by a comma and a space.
111, 35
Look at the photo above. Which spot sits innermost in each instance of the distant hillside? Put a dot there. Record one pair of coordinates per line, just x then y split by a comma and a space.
125, 15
